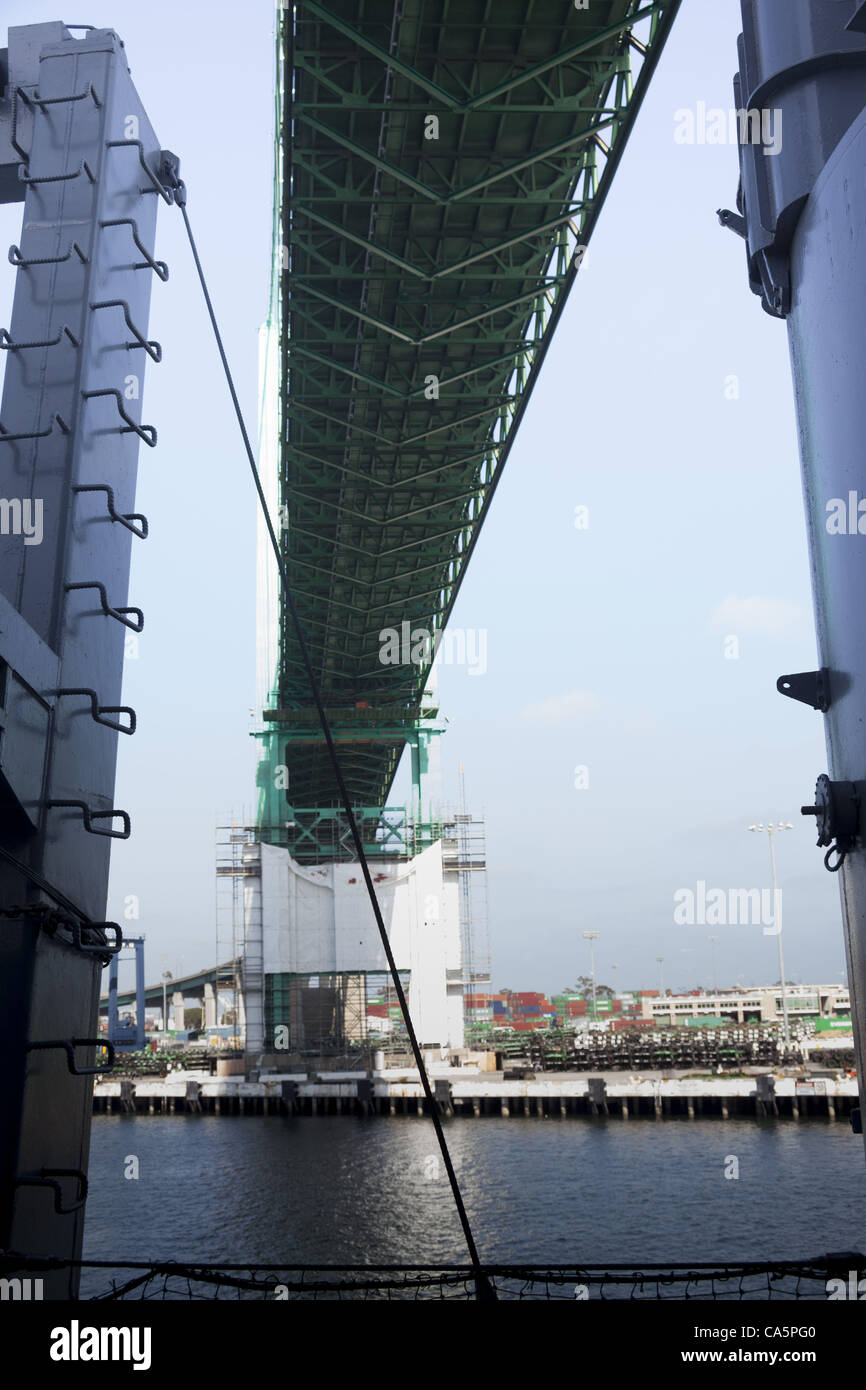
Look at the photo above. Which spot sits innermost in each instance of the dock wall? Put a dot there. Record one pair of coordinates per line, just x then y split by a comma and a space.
721, 1097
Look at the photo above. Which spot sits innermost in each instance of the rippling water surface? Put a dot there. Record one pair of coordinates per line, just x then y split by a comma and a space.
338, 1189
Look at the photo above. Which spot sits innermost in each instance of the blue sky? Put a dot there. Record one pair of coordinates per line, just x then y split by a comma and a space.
605, 646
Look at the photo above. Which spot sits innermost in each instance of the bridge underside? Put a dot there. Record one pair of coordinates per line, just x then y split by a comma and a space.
440, 164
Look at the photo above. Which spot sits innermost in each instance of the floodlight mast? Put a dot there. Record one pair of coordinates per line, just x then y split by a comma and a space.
801, 210
76, 146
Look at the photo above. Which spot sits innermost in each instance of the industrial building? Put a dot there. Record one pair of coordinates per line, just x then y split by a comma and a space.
762, 1004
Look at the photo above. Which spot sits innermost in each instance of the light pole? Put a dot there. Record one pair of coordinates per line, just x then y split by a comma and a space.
712, 941
687, 951
592, 936
771, 830
660, 960
613, 970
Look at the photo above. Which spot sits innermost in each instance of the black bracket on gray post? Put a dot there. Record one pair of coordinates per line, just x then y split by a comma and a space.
98, 711
837, 814
125, 518
69, 1045
90, 816
102, 949
809, 687
47, 1178
137, 623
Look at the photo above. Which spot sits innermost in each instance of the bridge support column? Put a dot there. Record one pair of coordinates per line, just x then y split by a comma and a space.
209, 1007
176, 1013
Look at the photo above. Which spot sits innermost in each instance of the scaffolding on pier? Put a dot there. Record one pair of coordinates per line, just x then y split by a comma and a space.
328, 1011
234, 866
465, 850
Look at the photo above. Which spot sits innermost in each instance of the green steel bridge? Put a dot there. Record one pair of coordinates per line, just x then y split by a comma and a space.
440, 166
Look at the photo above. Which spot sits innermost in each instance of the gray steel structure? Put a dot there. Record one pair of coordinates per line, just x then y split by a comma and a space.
803, 215
77, 147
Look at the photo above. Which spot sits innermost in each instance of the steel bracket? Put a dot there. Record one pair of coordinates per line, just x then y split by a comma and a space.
98, 711
69, 1045
125, 518
90, 816
47, 1178
809, 687
837, 814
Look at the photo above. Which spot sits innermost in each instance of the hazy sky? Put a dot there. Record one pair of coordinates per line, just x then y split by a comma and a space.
605, 646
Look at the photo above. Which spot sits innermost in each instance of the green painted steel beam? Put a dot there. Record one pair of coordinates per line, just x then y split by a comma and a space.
436, 173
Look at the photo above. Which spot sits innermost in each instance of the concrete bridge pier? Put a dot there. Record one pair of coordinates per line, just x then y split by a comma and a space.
176, 1011
209, 1006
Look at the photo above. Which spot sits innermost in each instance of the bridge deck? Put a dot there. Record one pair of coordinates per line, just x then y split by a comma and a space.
440, 164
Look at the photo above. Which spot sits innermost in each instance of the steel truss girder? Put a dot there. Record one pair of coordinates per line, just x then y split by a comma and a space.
404, 262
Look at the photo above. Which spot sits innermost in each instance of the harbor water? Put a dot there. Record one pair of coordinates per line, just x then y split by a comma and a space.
273, 1189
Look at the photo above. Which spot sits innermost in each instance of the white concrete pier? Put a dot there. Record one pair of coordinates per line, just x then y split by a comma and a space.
616, 1096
